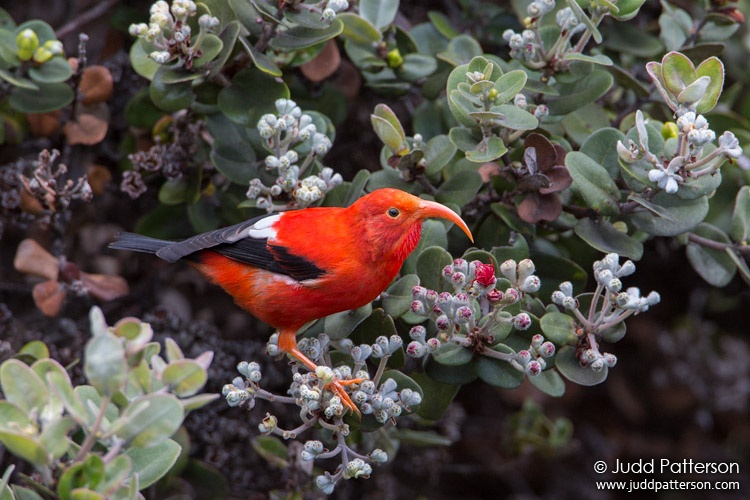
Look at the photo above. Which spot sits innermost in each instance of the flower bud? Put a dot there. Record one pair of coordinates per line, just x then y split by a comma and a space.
416, 349
418, 333
521, 321
417, 307
378, 456
537, 340
464, 314
609, 359
325, 483
597, 365
27, 42
432, 345
531, 284
495, 296
523, 357
268, 424
508, 269
547, 349
534, 368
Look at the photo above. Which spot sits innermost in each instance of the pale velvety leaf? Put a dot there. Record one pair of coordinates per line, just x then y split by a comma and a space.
105, 287
90, 127
96, 85
32, 258
489, 170
48, 297
324, 64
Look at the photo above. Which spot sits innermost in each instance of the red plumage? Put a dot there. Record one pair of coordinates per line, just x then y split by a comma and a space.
291, 268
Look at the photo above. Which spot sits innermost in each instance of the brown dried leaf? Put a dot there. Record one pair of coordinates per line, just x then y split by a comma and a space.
32, 258
105, 287
96, 85
98, 177
48, 297
324, 64
44, 124
489, 170
89, 127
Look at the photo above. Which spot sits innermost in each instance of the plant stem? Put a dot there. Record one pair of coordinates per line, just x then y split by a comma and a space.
90, 440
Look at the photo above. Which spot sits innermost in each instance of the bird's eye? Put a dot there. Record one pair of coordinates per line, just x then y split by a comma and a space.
393, 213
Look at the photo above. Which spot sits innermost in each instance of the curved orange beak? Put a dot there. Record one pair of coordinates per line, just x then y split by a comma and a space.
434, 209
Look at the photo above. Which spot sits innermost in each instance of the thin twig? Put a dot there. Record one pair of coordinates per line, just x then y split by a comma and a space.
80, 21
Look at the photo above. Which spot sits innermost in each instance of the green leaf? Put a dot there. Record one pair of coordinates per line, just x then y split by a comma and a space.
380, 13
142, 64
593, 182
584, 19
55, 437
232, 153
499, 373
185, 377
251, 94
570, 368
357, 29
684, 215
601, 146
388, 128
340, 325
416, 67
210, 48
549, 382
104, 364
602, 235
302, 37
451, 375
153, 463
577, 94
22, 386
397, 298
48, 97
461, 50
599, 59
61, 384
56, 69
442, 24
558, 328
510, 84
460, 189
489, 149
437, 396
438, 152
515, 118
36, 349
627, 9
430, 264
714, 69
741, 216
25, 447
465, 139
22, 493
452, 354
17, 81
13, 416
150, 420
170, 97
714, 265
262, 61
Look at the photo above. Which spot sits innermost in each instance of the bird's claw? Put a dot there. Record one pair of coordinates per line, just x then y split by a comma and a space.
337, 387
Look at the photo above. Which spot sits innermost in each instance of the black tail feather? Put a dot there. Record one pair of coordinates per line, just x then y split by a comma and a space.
138, 243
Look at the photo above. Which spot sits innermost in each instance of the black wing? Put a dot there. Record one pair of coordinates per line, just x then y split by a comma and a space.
247, 242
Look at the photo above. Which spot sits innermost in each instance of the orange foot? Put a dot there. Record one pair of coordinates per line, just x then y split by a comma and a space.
337, 387
332, 384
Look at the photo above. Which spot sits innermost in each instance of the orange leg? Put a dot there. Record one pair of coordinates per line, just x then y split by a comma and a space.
288, 344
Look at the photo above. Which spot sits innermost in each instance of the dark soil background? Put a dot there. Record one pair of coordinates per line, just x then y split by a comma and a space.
681, 389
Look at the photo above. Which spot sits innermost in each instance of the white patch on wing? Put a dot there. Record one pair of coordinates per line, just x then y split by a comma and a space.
263, 228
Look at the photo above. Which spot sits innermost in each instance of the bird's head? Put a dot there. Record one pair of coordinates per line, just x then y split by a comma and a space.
393, 219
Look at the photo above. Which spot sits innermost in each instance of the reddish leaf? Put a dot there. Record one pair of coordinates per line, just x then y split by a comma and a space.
105, 287
32, 258
324, 64
89, 127
96, 85
44, 124
536, 207
48, 297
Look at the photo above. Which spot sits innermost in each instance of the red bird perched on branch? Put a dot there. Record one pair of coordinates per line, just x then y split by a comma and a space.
290, 268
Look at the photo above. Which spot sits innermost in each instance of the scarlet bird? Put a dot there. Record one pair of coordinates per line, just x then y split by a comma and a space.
290, 268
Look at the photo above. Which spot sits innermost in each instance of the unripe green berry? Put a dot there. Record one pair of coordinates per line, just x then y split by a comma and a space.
394, 59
